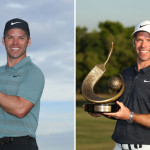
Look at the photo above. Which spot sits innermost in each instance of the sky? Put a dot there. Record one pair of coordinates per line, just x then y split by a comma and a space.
129, 12
51, 24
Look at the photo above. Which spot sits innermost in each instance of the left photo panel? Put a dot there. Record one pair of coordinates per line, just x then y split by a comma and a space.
37, 73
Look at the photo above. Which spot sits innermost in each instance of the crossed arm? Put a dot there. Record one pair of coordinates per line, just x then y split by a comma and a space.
15, 105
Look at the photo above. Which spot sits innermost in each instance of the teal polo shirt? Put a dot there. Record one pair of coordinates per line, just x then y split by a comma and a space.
25, 80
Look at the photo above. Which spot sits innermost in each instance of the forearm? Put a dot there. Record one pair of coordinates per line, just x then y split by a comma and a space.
142, 119
124, 114
14, 105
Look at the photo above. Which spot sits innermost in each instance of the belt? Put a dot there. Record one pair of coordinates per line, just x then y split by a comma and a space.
6, 140
131, 146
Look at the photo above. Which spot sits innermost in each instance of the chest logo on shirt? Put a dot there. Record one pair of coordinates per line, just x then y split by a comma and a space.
146, 80
16, 76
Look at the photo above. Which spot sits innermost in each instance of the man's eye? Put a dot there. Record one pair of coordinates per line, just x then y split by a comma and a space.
21, 38
9, 37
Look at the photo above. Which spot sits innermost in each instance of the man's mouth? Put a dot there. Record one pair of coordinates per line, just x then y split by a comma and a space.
16, 49
143, 51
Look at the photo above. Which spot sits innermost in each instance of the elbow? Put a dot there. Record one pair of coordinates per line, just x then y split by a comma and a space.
23, 110
20, 113
20, 116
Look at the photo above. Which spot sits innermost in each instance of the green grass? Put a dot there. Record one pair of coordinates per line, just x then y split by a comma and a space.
93, 133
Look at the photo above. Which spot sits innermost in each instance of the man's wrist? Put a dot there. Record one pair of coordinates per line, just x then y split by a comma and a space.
130, 120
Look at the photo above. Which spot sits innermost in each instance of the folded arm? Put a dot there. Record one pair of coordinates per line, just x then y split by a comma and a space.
15, 105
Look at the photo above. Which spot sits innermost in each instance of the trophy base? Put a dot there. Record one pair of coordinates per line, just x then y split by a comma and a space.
101, 108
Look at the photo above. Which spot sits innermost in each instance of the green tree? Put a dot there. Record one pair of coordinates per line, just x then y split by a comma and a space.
93, 47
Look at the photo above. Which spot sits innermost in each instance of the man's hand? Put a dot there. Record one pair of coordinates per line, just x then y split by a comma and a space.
123, 113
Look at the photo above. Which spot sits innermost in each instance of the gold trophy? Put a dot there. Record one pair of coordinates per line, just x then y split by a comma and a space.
98, 104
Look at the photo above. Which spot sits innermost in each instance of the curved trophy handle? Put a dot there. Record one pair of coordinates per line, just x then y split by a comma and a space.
91, 79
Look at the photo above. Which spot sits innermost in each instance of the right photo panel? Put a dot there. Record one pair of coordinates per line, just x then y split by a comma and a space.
112, 75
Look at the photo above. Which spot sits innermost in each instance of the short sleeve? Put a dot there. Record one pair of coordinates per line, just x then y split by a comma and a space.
32, 84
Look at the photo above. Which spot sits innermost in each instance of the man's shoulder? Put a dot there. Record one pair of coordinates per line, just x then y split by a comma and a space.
2, 68
33, 69
129, 69
128, 72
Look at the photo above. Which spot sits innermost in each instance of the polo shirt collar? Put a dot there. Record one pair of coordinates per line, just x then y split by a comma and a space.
143, 70
146, 69
20, 64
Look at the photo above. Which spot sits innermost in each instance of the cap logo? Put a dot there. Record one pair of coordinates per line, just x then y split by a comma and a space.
12, 23
144, 25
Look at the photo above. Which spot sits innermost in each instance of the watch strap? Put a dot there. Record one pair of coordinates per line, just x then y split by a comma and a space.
130, 120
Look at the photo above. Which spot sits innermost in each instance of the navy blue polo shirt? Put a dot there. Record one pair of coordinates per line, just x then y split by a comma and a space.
26, 80
137, 98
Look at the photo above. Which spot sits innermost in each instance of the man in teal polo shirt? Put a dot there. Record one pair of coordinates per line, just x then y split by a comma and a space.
21, 87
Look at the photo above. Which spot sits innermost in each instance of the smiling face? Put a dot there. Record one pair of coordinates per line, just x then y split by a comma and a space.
141, 44
16, 43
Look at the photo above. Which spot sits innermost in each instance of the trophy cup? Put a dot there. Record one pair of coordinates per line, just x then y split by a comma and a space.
98, 104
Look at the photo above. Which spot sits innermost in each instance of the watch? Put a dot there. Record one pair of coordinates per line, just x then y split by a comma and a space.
130, 121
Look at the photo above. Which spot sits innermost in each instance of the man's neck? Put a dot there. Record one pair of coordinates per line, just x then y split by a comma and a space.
142, 65
12, 62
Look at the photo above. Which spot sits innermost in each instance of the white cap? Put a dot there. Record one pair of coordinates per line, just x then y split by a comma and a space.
142, 26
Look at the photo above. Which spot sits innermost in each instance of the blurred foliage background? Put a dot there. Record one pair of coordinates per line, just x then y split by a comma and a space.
93, 47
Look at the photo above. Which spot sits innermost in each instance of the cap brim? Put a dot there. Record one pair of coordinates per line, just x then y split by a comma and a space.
139, 31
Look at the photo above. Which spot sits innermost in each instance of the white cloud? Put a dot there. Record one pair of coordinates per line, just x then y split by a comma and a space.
48, 57
16, 5
58, 90
64, 123
55, 117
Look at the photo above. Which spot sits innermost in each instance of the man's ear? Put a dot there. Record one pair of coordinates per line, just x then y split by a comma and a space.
3, 41
133, 43
29, 42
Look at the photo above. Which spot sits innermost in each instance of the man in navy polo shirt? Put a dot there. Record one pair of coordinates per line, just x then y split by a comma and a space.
21, 87
132, 129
